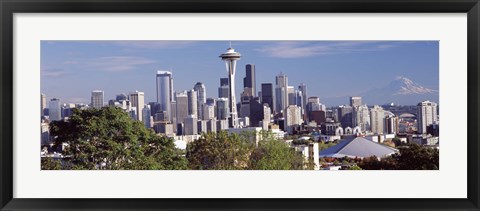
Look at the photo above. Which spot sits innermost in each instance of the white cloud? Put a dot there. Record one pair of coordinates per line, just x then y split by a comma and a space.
70, 62
47, 72
150, 44
307, 49
117, 63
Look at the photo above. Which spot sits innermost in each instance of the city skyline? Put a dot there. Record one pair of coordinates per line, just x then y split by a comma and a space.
102, 70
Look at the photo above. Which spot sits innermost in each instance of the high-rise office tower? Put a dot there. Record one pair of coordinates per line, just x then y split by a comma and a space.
245, 98
138, 102
345, 115
223, 89
361, 116
231, 57
97, 99
267, 95
208, 112
376, 119
281, 92
355, 101
299, 99
222, 108
173, 114
391, 124
55, 110
146, 116
191, 125
291, 95
165, 91
293, 118
182, 106
192, 103
43, 103
249, 80
313, 104
426, 115
303, 88
201, 98
266, 114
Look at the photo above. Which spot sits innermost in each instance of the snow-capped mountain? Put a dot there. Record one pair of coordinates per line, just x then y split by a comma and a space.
401, 91
405, 86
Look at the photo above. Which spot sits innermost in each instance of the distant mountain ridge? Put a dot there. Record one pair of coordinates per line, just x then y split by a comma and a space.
401, 91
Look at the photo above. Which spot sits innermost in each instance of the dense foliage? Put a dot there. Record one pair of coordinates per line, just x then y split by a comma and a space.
221, 151
410, 157
108, 138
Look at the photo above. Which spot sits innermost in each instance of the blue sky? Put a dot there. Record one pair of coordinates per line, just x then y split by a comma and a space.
70, 70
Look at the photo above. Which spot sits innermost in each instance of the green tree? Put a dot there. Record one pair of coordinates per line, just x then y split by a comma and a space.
49, 163
354, 168
410, 157
219, 151
417, 157
276, 155
108, 138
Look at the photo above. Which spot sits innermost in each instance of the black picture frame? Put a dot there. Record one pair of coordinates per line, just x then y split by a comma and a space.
10, 7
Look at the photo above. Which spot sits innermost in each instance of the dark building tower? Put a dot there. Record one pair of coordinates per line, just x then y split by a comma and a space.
256, 112
267, 95
223, 81
345, 114
303, 88
223, 89
249, 80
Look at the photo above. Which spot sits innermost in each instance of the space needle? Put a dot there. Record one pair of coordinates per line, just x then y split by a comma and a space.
230, 57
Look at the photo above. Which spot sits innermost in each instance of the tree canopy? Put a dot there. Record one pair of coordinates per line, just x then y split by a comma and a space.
410, 157
108, 138
221, 151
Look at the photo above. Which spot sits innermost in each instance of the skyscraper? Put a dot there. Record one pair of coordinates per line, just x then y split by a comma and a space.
55, 110
303, 88
192, 103
281, 92
222, 108
377, 119
191, 125
208, 112
165, 91
249, 80
267, 95
97, 99
231, 57
426, 115
293, 118
138, 102
291, 95
223, 89
345, 115
313, 104
43, 103
146, 116
182, 106
201, 98
361, 117
391, 124
355, 101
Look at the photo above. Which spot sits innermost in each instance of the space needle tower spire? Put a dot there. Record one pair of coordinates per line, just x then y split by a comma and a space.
230, 57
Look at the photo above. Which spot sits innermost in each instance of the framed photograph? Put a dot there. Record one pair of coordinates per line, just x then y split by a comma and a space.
216, 105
